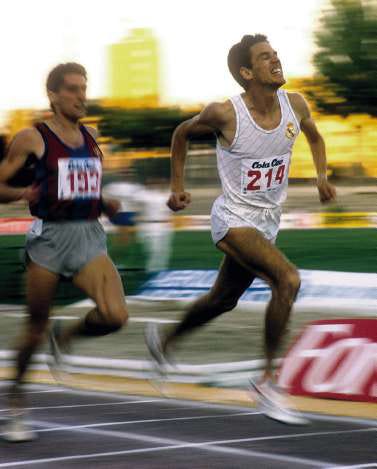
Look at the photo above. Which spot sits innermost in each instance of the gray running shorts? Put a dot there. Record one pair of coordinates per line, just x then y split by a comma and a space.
65, 247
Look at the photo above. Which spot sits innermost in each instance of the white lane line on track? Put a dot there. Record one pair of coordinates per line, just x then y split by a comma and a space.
213, 405
181, 404
355, 466
238, 440
191, 404
132, 422
185, 404
194, 404
168, 400
170, 444
73, 406
155, 449
341, 419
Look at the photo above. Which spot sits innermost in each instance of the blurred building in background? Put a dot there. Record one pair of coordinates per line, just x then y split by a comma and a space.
134, 71
135, 128
19, 119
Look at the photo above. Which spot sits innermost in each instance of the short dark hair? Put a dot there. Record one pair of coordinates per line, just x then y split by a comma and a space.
239, 56
55, 78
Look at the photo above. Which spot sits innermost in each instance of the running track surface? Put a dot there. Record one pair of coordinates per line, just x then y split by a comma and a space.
99, 430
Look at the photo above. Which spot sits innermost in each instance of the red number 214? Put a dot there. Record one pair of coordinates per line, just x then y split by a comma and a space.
255, 176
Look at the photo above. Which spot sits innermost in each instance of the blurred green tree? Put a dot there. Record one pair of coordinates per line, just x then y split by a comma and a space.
347, 58
141, 128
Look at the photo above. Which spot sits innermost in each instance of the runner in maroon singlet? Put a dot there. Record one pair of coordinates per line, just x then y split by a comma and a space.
66, 238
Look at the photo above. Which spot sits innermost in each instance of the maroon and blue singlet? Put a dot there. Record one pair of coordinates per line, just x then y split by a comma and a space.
69, 179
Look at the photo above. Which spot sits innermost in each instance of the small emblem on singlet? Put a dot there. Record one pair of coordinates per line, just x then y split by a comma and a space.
290, 131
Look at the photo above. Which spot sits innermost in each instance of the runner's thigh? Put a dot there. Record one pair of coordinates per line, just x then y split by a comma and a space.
100, 280
232, 280
255, 253
41, 285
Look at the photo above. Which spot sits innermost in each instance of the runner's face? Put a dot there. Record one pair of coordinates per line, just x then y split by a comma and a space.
71, 97
266, 66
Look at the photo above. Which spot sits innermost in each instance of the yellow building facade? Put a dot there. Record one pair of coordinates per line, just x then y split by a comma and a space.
134, 71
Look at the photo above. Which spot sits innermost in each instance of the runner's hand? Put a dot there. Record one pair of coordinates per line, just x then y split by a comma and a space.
327, 191
111, 207
178, 200
31, 194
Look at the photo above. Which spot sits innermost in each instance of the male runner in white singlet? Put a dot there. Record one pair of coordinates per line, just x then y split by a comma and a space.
255, 134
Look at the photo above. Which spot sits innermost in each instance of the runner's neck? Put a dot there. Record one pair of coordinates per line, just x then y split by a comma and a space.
261, 100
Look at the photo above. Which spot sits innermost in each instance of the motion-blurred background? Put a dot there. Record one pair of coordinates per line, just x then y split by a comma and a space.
152, 64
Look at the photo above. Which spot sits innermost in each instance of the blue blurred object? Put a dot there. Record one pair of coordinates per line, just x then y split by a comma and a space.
124, 219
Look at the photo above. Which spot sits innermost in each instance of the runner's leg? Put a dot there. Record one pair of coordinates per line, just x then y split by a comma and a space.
249, 248
232, 280
100, 280
41, 285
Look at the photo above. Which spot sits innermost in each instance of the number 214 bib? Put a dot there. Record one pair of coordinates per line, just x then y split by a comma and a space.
265, 174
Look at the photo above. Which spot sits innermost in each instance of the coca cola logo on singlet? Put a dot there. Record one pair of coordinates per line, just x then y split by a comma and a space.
265, 174
266, 164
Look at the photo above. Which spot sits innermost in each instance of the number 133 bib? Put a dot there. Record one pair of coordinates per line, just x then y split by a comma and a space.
79, 178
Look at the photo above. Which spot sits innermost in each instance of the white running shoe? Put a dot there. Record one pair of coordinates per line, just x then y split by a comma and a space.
16, 430
154, 344
56, 363
272, 402
160, 363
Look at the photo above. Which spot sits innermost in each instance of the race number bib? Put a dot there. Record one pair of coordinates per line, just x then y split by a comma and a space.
79, 178
266, 174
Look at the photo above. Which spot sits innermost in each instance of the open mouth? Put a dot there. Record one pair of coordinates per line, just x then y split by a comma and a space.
276, 71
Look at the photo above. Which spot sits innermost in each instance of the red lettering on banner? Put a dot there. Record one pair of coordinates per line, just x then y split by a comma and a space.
334, 359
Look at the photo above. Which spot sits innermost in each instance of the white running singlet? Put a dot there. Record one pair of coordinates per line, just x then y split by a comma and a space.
254, 172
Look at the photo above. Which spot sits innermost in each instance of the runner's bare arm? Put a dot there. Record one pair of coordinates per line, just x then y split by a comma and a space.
27, 141
210, 120
316, 142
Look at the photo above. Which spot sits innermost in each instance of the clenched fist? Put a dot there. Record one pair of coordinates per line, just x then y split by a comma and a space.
31, 194
178, 200
327, 191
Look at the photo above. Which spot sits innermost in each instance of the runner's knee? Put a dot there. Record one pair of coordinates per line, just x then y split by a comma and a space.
289, 283
93, 328
115, 316
103, 321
